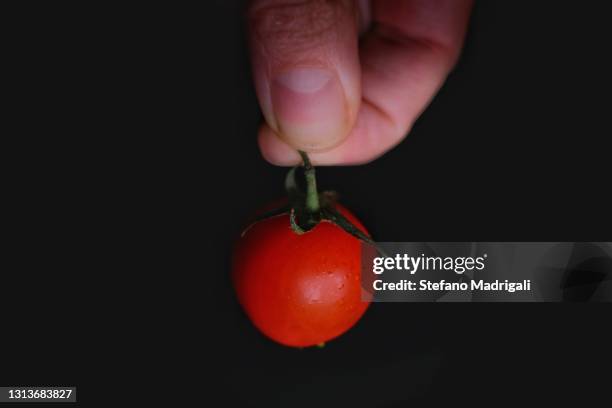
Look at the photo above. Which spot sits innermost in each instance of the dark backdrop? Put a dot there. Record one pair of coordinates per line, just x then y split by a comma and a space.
135, 163
512, 148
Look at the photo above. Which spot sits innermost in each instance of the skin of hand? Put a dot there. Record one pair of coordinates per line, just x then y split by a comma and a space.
344, 80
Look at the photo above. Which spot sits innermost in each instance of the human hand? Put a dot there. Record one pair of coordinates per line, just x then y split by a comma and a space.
345, 99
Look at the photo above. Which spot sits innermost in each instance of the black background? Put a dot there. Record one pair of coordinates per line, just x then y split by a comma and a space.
133, 163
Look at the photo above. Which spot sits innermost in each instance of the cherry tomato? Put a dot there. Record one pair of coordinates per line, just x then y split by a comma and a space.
300, 290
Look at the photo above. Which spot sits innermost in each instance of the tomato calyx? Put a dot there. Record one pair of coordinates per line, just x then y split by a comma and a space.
307, 209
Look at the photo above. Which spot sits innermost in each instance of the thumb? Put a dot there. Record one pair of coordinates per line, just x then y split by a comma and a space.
306, 69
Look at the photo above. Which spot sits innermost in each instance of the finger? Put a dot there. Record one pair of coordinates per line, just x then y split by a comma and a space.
365, 15
306, 69
406, 56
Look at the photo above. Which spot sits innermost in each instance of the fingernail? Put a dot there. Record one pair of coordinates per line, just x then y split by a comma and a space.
310, 109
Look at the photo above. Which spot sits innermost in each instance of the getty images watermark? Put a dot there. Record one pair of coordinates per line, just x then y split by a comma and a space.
487, 271
458, 265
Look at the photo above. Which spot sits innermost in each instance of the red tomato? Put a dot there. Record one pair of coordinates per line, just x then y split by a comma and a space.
300, 290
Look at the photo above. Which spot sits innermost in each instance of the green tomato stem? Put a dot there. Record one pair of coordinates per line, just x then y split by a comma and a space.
312, 196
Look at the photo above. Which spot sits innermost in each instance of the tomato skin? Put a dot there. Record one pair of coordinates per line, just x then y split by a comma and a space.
300, 290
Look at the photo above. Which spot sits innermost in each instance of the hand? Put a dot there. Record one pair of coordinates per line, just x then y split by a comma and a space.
345, 99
